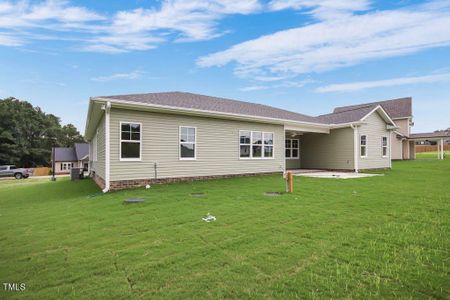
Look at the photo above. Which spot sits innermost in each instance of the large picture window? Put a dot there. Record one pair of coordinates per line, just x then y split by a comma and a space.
255, 144
384, 146
363, 145
187, 143
292, 148
130, 141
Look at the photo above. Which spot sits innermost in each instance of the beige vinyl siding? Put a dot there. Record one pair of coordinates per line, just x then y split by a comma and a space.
67, 171
405, 146
328, 151
396, 147
99, 166
217, 148
403, 126
374, 130
294, 163
412, 150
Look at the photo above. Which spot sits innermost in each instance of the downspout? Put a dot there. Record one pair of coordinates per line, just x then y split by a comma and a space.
401, 148
107, 108
355, 147
390, 152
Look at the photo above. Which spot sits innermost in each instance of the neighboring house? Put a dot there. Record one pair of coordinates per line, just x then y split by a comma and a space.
146, 138
68, 158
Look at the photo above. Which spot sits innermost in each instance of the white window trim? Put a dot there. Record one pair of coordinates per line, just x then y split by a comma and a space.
179, 143
382, 146
66, 166
298, 149
130, 141
251, 144
366, 146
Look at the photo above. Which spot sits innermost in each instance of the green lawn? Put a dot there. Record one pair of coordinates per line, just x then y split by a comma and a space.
431, 154
379, 237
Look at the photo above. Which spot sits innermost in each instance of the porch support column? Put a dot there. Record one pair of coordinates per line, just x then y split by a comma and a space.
438, 150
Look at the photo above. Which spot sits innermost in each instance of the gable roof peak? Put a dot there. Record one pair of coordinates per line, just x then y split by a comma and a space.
396, 108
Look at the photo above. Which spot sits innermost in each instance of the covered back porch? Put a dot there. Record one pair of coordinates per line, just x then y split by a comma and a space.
309, 151
438, 137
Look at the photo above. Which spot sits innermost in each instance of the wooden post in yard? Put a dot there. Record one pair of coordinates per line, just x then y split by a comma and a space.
290, 179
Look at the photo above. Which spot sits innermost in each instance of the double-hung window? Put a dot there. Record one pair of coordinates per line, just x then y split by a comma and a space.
292, 148
244, 143
187, 143
268, 144
255, 144
384, 146
363, 145
130, 141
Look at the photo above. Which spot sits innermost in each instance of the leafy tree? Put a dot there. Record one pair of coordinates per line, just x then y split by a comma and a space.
70, 135
27, 134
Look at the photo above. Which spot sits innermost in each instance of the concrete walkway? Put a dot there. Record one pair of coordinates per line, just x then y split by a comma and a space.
333, 174
36, 177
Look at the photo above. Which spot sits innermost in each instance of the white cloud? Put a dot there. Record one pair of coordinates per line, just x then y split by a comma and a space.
284, 84
11, 41
362, 85
181, 20
322, 9
122, 43
345, 41
43, 14
192, 19
254, 88
119, 76
131, 30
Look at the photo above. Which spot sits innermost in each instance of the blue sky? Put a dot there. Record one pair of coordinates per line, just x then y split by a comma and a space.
307, 56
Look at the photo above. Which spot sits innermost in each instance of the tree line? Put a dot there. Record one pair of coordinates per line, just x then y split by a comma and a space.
27, 134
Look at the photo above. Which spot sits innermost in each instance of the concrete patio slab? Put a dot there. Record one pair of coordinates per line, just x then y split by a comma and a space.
337, 175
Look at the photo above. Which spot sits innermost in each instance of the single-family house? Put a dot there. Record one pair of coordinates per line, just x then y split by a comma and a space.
74, 157
161, 137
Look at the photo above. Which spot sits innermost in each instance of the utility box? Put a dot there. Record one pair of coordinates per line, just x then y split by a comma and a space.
76, 173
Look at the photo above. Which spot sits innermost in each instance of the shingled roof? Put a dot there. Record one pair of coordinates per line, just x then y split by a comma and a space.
78, 152
81, 150
65, 154
213, 104
429, 135
346, 116
396, 108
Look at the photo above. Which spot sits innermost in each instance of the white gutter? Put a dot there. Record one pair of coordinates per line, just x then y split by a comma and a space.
107, 108
355, 147
343, 125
